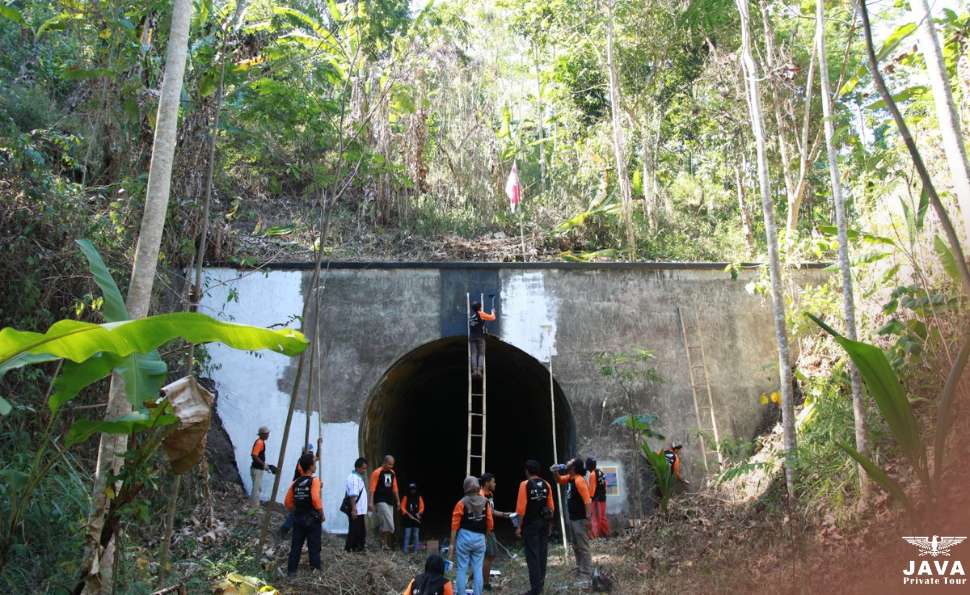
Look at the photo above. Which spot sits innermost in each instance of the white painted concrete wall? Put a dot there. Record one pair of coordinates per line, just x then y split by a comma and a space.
249, 388
529, 314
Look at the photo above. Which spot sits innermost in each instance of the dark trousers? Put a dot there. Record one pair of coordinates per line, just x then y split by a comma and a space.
477, 354
536, 538
305, 528
356, 535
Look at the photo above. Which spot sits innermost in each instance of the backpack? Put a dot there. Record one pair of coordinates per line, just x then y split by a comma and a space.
345, 506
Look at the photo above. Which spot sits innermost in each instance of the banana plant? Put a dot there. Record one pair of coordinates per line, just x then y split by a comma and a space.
886, 390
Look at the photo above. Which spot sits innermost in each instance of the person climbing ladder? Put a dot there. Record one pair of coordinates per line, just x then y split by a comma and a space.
476, 336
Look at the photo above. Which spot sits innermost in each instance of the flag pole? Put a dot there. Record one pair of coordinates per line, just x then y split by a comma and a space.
522, 234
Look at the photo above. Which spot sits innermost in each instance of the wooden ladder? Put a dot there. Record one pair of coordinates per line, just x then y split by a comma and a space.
477, 405
700, 386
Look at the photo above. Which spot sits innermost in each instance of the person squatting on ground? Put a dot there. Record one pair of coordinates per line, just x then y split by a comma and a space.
303, 499
258, 465
385, 499
597, 492
476, 337
297, 472
412, 510
672, 455
471, 521
579, 509
535, 508
487, 481
432, 581
355, 507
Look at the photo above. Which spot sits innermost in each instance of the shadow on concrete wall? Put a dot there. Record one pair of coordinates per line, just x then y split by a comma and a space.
418, 413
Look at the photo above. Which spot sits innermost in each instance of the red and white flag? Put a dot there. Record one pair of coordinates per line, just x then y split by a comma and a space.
513, 188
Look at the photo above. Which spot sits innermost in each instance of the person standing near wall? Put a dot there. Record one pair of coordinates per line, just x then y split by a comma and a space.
487, 481
597, 492
535, 508
297, 473
356, 498
471, 521
579, 507
476, 337
304, 500
258, 465
412, 510
385, 499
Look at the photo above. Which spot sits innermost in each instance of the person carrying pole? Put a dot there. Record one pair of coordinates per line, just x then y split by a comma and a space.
535, 509
297, 473
476, 336
579, 507
597, 492
304, 500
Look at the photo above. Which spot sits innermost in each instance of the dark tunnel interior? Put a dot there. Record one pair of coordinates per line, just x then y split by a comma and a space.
418, 413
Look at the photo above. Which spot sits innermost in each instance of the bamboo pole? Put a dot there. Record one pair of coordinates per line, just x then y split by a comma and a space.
555, 454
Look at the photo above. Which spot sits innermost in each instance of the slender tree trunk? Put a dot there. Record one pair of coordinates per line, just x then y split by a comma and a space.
96, 574
774, 263
946, 111
743, 209
880, 83
848, 300
619, 152
649, 206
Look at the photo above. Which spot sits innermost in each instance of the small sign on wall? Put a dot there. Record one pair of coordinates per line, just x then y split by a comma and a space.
611, 474
615, 486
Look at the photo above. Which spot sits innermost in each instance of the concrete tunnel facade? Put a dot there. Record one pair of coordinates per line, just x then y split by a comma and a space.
393, 375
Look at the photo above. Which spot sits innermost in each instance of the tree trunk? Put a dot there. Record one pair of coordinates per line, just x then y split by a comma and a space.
623, 180
848, 300
743, 209
96, 574
946, 111
774, 264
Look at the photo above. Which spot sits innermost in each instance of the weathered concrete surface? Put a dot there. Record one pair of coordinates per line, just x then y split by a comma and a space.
374, 315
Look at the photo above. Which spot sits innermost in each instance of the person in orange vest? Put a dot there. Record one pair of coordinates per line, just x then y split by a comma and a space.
487, 481
258, 464
412, 511
385, 499
579, 507
304, 500
672, 455
597, 493
476, 337
471, 521
534, 509
297, 472
432, 581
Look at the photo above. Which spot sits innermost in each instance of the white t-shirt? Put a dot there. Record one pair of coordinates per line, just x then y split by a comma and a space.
355, 486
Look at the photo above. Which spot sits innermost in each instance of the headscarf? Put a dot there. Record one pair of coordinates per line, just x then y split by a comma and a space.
432, 580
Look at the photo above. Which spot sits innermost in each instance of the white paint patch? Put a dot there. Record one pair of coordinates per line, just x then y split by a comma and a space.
249, 393
529, 314
339, 454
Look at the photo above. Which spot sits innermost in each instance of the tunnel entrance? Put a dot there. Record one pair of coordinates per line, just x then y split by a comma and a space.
418, 413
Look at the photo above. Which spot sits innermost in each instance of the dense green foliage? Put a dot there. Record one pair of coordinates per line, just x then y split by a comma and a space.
397, 123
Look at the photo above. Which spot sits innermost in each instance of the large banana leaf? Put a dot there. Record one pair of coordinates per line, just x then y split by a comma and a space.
889, 395
77, 341
136, 421
143, 373
662, 473
879, 476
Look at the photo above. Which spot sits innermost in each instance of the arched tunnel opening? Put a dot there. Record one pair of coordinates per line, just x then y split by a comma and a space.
418, 413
